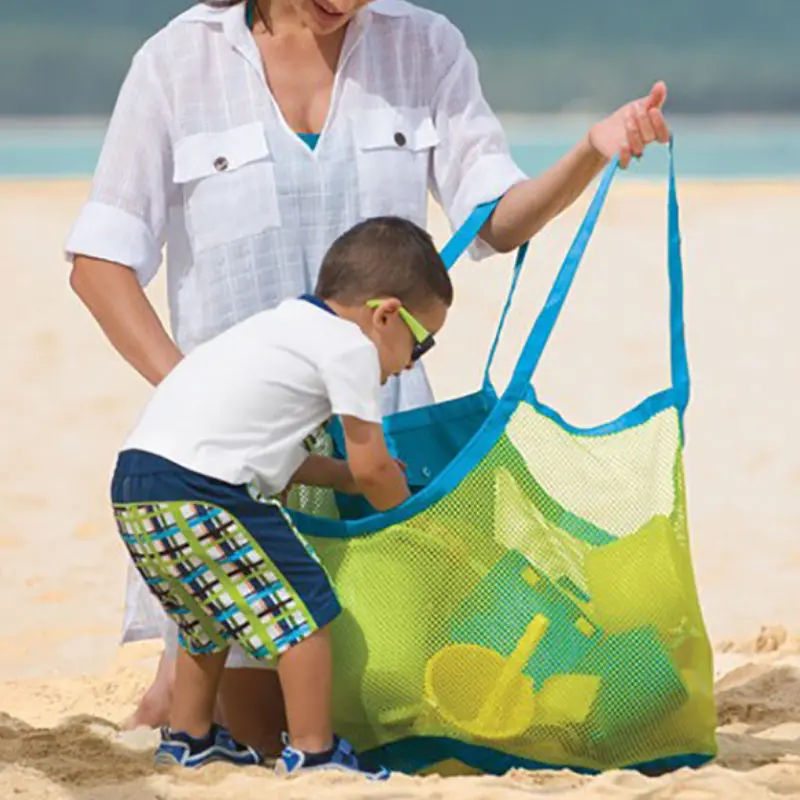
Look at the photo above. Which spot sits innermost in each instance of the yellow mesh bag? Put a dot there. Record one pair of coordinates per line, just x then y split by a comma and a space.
534, 603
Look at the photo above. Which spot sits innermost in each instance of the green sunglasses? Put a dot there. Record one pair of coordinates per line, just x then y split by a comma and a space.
423, 339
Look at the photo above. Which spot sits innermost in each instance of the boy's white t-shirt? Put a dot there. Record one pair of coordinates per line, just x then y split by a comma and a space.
240, 406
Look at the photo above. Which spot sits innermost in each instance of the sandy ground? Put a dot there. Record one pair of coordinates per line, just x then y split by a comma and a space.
67, 401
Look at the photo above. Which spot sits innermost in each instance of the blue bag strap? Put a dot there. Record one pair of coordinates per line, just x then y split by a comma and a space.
543, 327
458, 245
467, 233
518, 265
679, 362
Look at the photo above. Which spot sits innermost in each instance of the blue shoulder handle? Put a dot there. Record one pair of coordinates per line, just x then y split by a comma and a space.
543, 327
545, 323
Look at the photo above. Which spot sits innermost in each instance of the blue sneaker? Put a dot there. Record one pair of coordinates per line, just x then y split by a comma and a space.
178, 749
340, 758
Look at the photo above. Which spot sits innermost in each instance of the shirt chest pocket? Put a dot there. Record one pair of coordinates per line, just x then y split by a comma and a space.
228, 182
394, 150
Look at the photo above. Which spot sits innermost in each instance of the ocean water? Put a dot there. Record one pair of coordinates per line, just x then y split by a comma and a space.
712, 148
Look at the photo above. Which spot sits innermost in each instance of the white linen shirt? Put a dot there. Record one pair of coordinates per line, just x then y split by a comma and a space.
199, 157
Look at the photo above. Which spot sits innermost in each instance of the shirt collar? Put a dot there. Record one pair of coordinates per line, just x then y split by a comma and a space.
318, 302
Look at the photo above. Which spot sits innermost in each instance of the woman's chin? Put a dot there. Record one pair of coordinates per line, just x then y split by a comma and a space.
322, 22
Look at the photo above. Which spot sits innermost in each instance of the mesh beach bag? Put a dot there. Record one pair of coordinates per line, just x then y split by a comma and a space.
533, 604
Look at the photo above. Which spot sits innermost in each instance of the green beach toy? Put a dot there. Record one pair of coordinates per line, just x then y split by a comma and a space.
639, 684
566, 699
477, 691
521, 526
495, 613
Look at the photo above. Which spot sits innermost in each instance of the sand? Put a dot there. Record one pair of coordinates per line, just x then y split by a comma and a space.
67, 401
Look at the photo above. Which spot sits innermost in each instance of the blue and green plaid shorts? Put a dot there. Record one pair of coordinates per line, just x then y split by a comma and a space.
226, 564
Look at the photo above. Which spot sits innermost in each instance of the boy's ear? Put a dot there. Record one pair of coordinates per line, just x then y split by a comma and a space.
386, 309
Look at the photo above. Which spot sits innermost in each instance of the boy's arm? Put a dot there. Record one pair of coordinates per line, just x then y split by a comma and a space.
329, 473
376, 475
353, 381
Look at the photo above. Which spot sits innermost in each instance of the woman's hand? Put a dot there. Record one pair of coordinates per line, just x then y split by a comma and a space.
527, 207
631, 128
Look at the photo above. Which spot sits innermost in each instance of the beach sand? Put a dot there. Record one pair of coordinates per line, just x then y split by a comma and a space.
68, 401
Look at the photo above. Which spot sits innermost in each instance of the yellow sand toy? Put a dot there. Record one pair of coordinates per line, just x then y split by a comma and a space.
501, 704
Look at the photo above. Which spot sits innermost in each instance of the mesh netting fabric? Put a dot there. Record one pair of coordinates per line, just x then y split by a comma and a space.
544, 608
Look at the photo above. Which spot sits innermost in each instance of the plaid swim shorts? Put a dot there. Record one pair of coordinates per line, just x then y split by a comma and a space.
226, 564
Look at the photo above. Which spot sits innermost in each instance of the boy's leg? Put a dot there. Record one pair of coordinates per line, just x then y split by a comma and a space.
306, 673
192, 738
197, 679
251, 707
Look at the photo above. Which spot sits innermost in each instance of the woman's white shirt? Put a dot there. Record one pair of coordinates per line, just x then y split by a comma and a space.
198, 157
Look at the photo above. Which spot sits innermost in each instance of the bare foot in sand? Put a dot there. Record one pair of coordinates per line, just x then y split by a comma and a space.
153, 708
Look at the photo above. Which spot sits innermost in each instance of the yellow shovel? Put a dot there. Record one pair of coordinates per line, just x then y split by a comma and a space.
476, 690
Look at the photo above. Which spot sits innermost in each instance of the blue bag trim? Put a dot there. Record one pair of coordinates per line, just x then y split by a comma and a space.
638, 415
417, 753
461, 466
679, 361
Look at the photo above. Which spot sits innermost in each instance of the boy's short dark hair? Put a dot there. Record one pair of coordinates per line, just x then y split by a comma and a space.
385, 257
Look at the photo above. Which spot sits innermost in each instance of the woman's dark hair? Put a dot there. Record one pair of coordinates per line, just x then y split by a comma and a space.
221, 3
385, 257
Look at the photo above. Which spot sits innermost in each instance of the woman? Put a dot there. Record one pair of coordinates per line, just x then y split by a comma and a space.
247, 137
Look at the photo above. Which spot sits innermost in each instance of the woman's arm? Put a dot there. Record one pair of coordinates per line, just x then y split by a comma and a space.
528, 206
117, 301
116, 243
472, 164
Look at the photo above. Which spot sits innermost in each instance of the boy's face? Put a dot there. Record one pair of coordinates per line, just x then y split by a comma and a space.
400, 333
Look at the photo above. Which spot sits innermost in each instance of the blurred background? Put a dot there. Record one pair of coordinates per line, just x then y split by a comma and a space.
544, 66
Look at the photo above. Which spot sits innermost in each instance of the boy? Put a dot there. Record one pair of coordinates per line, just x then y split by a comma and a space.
225, 429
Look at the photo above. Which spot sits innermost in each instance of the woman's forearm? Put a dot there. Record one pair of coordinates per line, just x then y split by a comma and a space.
116, 300
527, 207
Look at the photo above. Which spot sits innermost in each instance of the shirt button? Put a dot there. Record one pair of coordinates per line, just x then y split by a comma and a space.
400, 139
221, 164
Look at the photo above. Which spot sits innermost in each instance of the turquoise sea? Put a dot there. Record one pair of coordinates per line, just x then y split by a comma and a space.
713, 148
